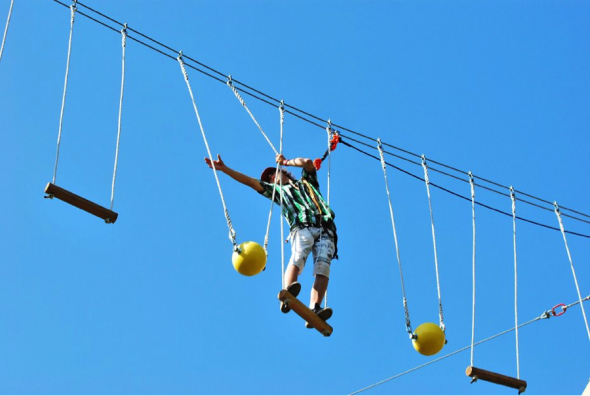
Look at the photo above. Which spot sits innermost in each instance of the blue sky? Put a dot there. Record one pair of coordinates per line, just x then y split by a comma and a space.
152, 304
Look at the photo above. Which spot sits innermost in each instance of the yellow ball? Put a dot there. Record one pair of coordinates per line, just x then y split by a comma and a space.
251, 260
430, 339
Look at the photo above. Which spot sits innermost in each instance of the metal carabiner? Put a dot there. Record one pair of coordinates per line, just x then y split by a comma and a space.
564, 308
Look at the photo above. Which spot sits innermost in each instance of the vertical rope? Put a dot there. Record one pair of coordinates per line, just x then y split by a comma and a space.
427, 181
405, 301
513, 198
471, 182
63, 102
232, 233
123, 44
561, 227
272, 200
282, 121
243, 102
6, 29
329, 132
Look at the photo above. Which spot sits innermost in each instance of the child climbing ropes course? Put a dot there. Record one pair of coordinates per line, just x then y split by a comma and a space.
310, 219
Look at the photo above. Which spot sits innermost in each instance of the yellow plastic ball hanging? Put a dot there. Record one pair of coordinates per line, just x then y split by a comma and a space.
251, 259
430, 339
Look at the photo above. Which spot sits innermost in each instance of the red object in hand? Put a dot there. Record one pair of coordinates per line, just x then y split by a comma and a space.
317, 163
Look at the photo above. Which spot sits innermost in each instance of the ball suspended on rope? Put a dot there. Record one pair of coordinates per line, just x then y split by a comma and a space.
251, 259
430, 339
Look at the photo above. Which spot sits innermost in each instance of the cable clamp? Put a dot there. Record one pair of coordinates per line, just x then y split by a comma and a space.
545, 315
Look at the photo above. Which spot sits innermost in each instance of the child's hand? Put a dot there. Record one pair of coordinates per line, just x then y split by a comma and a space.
219, 164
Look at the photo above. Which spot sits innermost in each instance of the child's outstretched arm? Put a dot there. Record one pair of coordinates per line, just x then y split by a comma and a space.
237, 176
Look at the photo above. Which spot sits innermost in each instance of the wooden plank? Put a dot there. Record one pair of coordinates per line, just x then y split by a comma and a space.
306, 314
81, 203
484, 375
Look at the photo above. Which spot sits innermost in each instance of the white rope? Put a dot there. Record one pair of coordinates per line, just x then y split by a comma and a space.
561, 227
63, 102
123, 44
329, 132
446, 356
472, 183
427, 181
513, 198
545, 315
278, 170
399, 262
232, 233
243, 102
282, 122
6, 29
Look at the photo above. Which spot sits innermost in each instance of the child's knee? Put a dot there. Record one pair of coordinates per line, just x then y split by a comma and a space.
322, 268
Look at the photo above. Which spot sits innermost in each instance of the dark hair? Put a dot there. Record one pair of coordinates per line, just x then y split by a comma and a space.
268, 172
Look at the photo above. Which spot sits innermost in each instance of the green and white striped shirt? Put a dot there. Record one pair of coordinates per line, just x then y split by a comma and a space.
303, 204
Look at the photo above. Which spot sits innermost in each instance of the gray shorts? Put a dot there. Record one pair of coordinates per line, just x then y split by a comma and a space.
314, 240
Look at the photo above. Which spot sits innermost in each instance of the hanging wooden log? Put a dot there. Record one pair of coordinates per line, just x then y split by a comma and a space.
81, 203
307, 314
484, 375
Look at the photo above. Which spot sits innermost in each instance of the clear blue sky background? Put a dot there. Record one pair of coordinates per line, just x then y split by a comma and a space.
152, 304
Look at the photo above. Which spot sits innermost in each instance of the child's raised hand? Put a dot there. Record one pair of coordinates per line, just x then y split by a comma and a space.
219, 164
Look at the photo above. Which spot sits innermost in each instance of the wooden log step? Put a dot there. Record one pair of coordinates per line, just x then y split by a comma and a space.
484, 375
306, 314
81, 203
